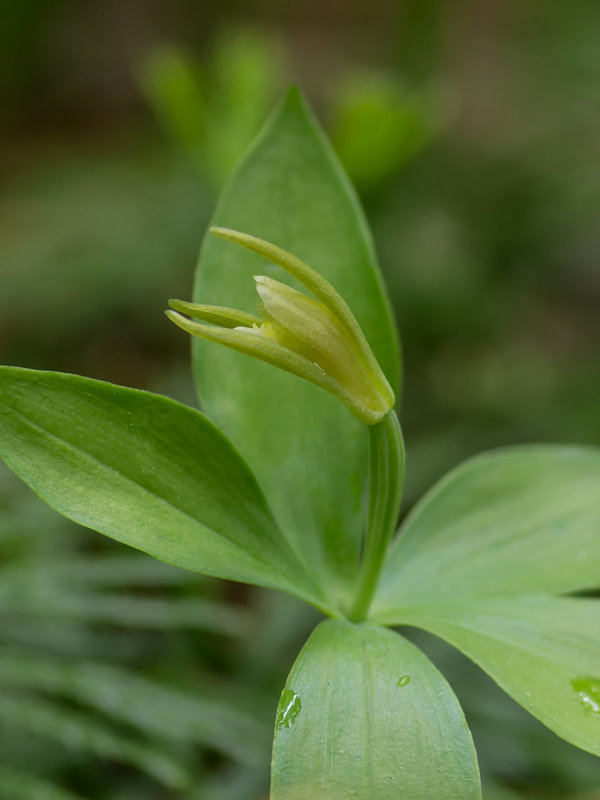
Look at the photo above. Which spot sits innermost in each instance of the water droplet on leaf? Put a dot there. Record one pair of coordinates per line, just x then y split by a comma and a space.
403, 680
588, 694
289, 708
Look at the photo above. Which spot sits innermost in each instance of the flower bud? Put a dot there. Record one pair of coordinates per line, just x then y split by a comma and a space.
316, 338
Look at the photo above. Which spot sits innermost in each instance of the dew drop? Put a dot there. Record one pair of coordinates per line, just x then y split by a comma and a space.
588, 693
403, 680
289, 708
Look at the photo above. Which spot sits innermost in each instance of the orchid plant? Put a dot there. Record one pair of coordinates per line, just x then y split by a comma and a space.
281, 484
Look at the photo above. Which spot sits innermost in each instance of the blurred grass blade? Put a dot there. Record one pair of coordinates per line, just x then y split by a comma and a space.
170, 85
290, 190
543, 651
365, 714
138, 612
165, 714
20, 786
514, 521
146, 471
233, 784
99, 572
77, 731
64, 637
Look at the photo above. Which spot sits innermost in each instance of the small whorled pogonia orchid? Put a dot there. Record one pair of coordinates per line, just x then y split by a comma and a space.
316, 338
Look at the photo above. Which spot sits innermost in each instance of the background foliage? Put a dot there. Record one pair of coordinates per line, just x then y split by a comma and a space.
470, 130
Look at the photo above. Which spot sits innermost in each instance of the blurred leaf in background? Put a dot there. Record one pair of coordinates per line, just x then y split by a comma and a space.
379, 125
213, 113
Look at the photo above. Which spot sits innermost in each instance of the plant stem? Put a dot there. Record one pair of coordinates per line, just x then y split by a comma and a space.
386, 476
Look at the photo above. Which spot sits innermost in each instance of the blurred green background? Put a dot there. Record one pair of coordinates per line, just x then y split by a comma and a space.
470, 130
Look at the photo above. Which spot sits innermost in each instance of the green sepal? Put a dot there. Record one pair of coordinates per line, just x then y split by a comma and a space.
215, 315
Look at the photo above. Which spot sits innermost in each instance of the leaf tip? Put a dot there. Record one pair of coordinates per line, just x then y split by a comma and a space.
294, 95
294, 102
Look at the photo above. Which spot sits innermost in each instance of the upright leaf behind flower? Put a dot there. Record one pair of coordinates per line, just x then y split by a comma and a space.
307, 451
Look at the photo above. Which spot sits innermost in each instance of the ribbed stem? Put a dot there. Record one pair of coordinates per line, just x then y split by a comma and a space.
386, 476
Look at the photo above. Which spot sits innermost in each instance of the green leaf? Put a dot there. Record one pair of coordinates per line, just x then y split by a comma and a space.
543, 651
146, 471
365, 714
516, 521
306, 449
19, 786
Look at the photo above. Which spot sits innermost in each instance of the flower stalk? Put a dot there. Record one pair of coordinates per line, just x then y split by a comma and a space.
386, 477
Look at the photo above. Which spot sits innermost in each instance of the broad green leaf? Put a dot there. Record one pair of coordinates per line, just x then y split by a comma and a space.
146, 471
543, 651
77, 731
306, 449
516, 521
19, 786
365, 714
155, 710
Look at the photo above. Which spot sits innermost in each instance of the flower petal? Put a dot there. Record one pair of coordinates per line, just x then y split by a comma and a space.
308, 327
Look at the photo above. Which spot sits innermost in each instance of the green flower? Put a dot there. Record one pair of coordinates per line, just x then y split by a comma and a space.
316, 338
